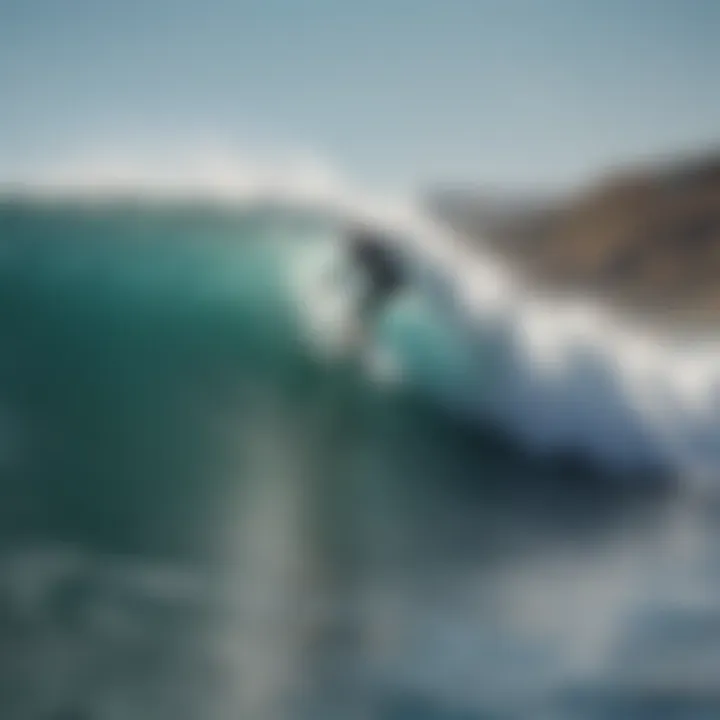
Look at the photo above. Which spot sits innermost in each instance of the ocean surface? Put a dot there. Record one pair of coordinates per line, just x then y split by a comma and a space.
207, 510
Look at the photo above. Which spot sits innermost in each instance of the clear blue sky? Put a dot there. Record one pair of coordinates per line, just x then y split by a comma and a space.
508, 91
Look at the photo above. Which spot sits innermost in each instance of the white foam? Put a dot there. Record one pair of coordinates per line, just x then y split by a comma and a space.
565, 373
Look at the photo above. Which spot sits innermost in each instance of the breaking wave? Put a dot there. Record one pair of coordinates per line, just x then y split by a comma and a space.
558, 374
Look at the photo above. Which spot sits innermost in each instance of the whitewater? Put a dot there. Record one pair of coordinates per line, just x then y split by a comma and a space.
558, 374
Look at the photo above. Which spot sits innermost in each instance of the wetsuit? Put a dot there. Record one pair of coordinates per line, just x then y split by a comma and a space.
370, 251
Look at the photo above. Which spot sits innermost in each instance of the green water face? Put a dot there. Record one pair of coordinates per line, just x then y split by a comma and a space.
126, 337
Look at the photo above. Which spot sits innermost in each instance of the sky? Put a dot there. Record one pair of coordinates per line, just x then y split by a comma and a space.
505, 92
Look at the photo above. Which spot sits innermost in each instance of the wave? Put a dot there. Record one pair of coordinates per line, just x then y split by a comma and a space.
560, 374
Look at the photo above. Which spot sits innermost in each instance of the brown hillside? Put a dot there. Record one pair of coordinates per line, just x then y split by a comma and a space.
648, 239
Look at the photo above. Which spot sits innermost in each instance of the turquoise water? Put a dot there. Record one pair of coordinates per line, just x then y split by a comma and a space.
203, 517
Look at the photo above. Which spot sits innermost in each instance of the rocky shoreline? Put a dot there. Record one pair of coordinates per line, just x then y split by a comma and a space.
645, 239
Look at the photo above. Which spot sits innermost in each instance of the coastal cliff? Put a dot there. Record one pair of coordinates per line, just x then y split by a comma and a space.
645, 238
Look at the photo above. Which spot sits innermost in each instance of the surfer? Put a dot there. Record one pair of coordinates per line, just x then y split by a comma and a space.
381, 267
